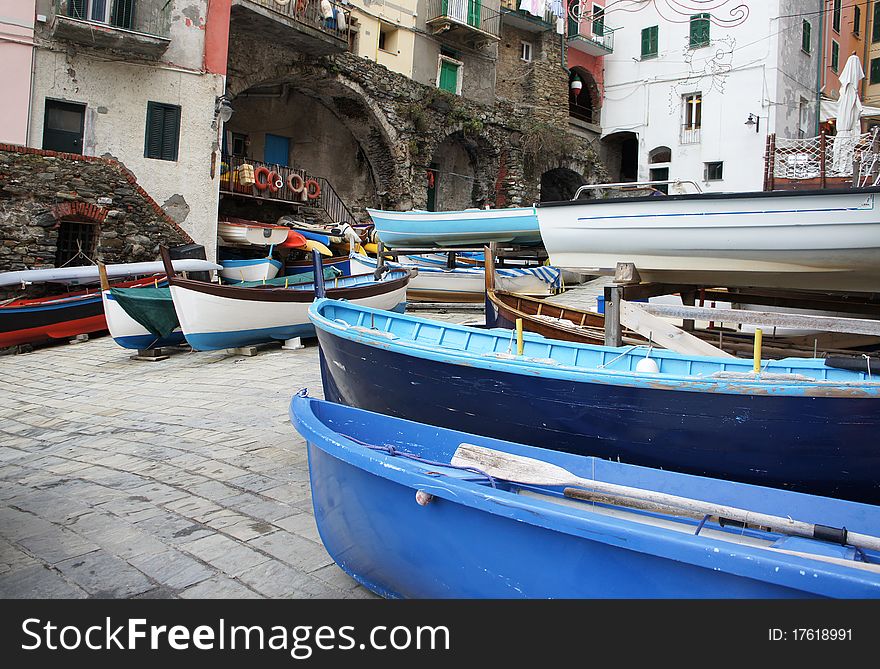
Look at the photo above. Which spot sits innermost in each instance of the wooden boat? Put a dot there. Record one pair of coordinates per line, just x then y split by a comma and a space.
342, 263
242, 231
215, 317
466, 284
799, 423
400, 509
255, 269
816, 240
400, 229
43, 319
86, 274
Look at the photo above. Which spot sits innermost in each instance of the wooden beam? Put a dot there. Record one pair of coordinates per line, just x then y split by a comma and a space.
613, 331
664, 333
768, 319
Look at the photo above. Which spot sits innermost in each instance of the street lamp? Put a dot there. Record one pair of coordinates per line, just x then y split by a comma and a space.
223, 108
755, 121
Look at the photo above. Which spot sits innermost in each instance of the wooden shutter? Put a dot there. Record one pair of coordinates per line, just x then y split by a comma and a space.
574, 10
875, 26
649, 41
76, 9
448, 76
122, 14
806, 37
875, 71
474, 11
163, 131
699, 30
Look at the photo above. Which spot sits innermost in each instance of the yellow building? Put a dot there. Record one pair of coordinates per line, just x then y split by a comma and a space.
384, 32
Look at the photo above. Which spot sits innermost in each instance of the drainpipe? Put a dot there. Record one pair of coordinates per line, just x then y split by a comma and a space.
820, 66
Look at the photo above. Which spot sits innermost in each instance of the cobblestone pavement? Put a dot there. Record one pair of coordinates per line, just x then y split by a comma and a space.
180, 478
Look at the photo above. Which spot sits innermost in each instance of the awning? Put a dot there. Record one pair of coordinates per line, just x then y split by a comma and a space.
828, 110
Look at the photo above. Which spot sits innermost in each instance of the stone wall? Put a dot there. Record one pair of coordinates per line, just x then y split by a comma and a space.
39, 189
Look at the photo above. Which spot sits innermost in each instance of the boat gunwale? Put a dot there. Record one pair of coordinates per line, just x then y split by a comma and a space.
582, 524
531, 366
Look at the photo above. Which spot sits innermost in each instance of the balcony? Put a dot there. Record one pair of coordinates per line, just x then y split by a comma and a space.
588, 115
592, 37
690, 134
135, 27
519, 18
296, 24
467, 21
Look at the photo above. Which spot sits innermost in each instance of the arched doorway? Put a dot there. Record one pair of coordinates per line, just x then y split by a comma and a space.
560, 184
620, 152
584, 102
659, 161
451, 176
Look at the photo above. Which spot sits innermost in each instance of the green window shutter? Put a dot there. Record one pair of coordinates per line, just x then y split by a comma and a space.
875, 71
76, 9
649, 41
875, 26
122, 14
835, 55
474, 11
448, 76
163, 131
598, 21
574, 10
806, 37
699, 30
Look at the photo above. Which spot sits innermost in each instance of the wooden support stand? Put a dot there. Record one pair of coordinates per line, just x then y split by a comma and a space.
79, 339
250, 351
150, 355
294, 344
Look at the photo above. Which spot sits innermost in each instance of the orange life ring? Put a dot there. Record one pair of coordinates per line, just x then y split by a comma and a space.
430, 178
261, 184
299, 180
275, 182
317, 192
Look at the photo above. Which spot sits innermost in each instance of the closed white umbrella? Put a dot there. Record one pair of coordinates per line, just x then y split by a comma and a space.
849, 113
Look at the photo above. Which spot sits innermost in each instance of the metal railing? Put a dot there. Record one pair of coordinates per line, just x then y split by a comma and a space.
148, 17
328, 199
596, 32
582, 113
308, 12
472, 13
690, 134
513, 6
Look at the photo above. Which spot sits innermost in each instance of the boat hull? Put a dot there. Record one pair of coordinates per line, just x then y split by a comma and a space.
817, 444
473, 541
235, 271
469, 227
128, 333
822, 240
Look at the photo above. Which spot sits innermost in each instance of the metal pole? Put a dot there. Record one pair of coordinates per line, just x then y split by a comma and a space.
613, 332
318, 269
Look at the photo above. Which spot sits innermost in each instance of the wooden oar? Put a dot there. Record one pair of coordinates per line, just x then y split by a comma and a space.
520, 469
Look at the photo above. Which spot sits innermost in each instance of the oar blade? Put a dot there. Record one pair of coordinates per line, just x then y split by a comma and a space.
511, 467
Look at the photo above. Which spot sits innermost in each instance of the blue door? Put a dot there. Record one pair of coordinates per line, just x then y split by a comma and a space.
277, 150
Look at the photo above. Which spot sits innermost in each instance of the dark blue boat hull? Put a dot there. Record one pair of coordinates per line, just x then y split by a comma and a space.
818, 445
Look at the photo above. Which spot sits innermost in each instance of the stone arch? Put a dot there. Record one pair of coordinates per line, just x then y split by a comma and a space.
586, 104
466, 169
660, 154
621, 154
79, 211
560, 183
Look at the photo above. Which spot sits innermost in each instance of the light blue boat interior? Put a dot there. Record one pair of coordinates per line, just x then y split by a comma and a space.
497, 348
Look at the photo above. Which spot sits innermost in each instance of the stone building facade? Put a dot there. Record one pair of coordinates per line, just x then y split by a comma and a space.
52, 204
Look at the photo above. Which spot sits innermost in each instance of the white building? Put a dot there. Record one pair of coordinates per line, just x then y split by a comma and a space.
136, 80
680, 88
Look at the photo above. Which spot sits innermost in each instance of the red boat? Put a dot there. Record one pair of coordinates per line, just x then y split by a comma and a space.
35, 320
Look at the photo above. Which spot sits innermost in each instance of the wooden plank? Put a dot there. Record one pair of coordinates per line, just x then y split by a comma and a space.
664, 333
768, 319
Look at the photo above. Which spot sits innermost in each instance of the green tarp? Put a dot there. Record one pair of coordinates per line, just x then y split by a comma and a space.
153, 308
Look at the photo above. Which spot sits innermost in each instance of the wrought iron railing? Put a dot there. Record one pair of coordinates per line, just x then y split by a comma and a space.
594, 31
233, 179
310, 13
148, 17
513, 6
583, 113
476, 14
690, 134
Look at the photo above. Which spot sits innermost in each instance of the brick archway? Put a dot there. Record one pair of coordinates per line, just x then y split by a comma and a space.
81, 211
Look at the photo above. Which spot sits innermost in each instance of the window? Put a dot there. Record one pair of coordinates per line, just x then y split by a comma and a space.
835, 55
163, 131
835, 16
239, 144
649, 42
693, 112
857, 20
117, 13
803, 117
699, 30
526, 51
73, 237
662, 154
449, 74
387, 38
807, 37
713, 171
598, 21
875, 71
875, 26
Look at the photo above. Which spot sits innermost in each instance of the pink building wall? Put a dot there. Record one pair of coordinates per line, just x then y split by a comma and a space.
16, 56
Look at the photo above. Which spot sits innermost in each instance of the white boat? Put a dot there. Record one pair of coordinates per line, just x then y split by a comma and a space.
128, 333
241, 231
816, 240
256, 269
89, 273
462, 284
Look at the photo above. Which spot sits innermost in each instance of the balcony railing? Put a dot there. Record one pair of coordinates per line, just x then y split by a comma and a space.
231, 182
583, 113
690, 134
308, 13
524, 20
137, 27
592, 37
465, 16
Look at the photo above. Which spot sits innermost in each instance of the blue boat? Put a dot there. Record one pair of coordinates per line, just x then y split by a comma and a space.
467, 227
799, 424
399, 509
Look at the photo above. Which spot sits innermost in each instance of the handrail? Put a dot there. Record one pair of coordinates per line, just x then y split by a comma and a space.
636, 184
